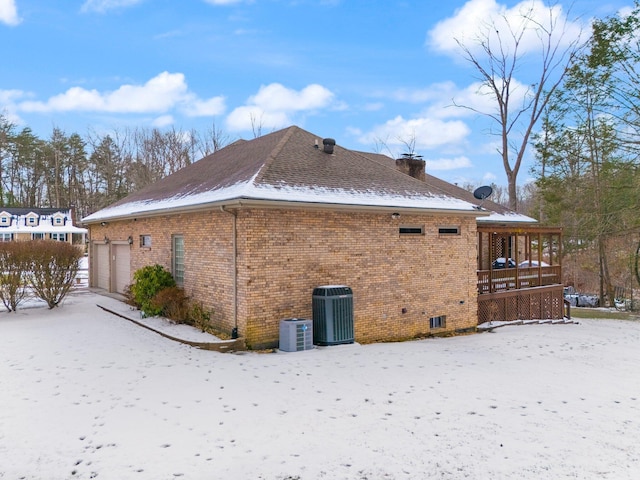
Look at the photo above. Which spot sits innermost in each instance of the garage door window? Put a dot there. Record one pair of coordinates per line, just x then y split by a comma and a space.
178, 260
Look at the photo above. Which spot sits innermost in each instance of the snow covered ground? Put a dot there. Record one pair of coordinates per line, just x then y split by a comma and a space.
86, 394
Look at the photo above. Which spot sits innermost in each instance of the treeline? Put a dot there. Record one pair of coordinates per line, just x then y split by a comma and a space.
94, 170
588, 154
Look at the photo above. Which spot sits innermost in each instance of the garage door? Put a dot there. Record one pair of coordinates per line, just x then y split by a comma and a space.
101, 266
122, 266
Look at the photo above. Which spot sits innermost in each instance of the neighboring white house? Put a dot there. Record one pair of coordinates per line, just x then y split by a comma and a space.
18, 224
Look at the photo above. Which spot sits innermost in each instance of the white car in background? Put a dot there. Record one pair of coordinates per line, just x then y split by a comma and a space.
502, 262
532, 263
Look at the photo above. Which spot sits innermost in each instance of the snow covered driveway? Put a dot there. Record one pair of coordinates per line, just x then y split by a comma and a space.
86, 394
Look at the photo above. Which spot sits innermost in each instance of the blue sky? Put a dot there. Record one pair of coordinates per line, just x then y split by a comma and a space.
370, 73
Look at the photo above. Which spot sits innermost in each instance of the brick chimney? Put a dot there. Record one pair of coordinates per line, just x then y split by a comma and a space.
412, 165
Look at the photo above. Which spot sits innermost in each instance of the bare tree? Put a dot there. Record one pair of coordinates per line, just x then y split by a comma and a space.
7, 135
407, 143
497, 54
256, 124
213, 140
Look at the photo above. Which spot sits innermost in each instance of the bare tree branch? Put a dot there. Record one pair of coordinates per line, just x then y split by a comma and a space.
501, 54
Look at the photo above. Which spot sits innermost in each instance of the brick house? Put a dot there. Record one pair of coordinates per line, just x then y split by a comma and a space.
252, 229
17, 224
533, 288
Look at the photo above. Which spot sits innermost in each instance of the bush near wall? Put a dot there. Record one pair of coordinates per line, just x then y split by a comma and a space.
45, 268
15, 262
155, 293
147, 283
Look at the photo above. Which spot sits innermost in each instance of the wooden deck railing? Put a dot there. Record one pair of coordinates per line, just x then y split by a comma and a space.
534, 303
492, 281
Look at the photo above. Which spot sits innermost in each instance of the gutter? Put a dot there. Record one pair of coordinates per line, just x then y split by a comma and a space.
250, 202
234, 332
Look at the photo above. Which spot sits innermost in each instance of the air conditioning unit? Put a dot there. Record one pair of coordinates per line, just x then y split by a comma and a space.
296, 334
332, 315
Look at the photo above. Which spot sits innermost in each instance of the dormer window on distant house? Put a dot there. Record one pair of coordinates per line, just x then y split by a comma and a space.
5, 219
23, 224
31, 219
58, 220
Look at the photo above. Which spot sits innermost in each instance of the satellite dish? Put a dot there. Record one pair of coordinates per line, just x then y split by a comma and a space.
483, 192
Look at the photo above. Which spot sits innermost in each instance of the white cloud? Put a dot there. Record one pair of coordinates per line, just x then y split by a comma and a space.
274, 105
253, 117
101, 6
446, 100
479, 19
9, 12
489, 177
160, 94
163, 121
624, 12
11, 117
448, 163
157, 95
435, 91
10, 96
476, 98
8, 108
427, 132
205, 108
276, 97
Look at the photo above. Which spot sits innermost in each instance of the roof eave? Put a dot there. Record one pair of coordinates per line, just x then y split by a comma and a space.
253, 202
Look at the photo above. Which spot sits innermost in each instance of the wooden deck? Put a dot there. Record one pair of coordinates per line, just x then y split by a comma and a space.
534, 303
492, 281
527, 293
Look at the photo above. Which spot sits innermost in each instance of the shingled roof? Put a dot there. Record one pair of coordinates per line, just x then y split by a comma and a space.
498, 213
289, 167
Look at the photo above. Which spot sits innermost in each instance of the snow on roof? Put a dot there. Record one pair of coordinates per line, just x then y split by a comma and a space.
42, 227
285, 167
506, 217
45, 224
293, 194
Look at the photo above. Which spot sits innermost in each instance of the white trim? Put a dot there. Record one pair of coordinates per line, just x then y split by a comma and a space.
129, 211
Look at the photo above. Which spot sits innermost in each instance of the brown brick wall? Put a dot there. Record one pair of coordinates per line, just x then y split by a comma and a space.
208, 254
284, 254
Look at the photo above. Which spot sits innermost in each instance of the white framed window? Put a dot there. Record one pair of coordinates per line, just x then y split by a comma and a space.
145, 241
37, 236
6, 237
5, 220
60, 237
438, 322
177, 259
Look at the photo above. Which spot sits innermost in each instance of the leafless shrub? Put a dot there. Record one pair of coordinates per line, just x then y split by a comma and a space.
15, 259
54, 266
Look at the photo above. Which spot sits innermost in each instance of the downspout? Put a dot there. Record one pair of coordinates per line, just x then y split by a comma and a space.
234, 332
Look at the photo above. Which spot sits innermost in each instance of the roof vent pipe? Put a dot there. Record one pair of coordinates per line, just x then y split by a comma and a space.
328, 144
